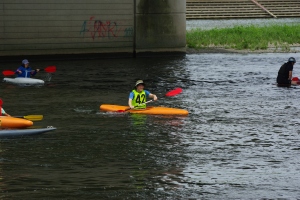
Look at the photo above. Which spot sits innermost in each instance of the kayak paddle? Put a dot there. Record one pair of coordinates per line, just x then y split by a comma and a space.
171, 93
49, 69
31, 117
8, 73
174, 92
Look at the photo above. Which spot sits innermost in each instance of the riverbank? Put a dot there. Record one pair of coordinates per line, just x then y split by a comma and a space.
292, 49
207, 24
245, 39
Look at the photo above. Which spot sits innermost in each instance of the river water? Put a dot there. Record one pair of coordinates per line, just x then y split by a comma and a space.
240, 141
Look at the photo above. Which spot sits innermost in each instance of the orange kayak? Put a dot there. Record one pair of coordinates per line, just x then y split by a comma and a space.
148, 110
12, 122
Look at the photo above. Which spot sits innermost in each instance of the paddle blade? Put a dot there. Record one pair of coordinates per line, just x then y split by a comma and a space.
50, 69
34, 117
8, 73
31, 117
174, 92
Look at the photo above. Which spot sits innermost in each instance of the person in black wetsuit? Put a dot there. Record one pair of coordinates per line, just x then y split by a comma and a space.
285, 72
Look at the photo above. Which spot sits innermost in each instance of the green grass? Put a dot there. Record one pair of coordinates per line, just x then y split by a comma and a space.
245, 37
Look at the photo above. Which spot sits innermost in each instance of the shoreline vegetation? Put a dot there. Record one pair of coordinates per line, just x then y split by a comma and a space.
245, 39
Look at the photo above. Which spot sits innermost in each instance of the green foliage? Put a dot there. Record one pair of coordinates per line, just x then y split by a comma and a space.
245, 37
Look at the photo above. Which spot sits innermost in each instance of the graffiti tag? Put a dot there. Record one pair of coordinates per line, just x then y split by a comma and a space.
104, 29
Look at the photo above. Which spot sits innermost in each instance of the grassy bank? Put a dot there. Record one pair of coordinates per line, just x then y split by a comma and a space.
245, 37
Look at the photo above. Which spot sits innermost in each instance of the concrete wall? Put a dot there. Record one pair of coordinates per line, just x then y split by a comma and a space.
34, 27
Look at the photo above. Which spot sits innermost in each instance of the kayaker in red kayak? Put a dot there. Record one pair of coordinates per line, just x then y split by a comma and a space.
285, 72
25, 71
138, 96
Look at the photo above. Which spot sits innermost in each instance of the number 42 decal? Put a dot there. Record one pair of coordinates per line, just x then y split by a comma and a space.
141, 99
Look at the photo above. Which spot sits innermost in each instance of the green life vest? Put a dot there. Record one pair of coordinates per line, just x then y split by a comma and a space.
139, 99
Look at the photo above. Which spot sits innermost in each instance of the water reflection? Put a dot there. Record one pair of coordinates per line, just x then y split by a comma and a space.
138, 121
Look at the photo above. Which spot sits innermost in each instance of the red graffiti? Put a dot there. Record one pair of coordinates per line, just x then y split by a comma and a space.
105, 29
102, 29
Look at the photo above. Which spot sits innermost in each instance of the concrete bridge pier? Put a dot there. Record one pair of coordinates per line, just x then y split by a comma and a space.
160, 26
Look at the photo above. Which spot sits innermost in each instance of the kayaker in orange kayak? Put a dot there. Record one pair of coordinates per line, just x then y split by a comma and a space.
138, 96
4, 113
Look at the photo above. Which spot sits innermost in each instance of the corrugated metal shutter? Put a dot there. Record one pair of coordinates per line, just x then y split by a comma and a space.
66, 26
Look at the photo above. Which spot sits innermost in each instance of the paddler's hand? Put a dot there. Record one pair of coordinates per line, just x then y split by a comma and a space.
132, 107
154, 97
37, 70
